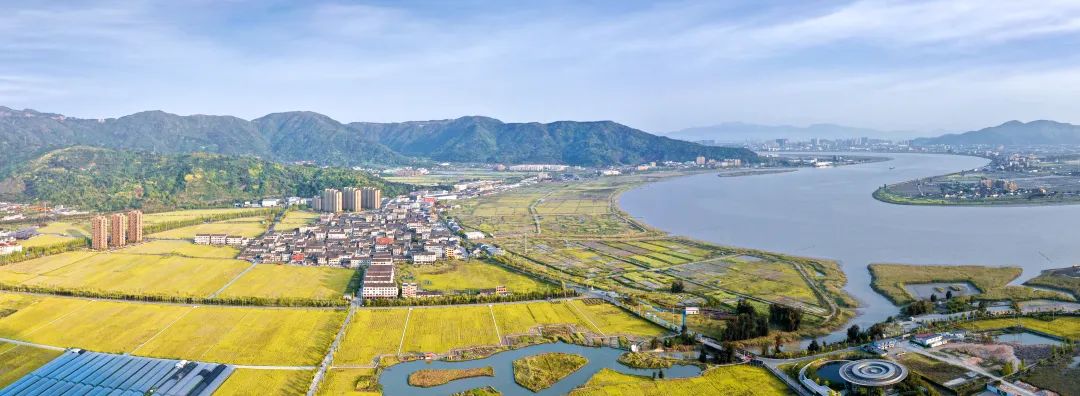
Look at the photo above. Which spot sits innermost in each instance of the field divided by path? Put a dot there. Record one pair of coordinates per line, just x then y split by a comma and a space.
375, 332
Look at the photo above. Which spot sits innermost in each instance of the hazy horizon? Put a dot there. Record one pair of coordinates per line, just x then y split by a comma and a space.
931, 67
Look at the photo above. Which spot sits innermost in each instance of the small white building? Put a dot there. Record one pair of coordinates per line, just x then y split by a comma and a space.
235, 240
424, 257
474, 235
929, 340
202, 239
218, 239
270, 202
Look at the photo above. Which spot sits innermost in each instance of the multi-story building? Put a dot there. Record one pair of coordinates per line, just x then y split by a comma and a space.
117, 230
379, 282
353, 199
8, 246
202, 239
134, 227
372, 198
316, 203
331, 200
408, 290
99, 237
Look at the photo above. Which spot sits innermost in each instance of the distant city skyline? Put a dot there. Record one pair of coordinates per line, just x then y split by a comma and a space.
928, 66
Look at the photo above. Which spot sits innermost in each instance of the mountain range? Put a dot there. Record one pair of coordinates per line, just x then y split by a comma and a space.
308, 136
738, 132
106, 179
1012, 133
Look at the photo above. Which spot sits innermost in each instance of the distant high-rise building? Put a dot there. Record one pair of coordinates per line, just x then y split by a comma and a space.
352, 199
117, 230
99, 237
372, 198
331, 200
316, 203
134, 226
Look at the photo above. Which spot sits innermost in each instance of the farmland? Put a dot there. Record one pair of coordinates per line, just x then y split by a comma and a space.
445, 329
463, 275
45, 240
125, 273
288, 281
245, 227
18, 360
192, 214
349, 382
66, 228
294, 219
216, 334
371, 333
1065, 326
375, 332
245, 382
727, 380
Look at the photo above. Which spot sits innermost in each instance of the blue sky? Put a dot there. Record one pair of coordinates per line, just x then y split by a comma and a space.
928, 66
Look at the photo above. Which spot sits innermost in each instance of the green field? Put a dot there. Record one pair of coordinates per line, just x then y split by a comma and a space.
250, 382
217, 334
294, 219
191, 214
290, 281
45, 240
463, 275
728, 380
539, 372
19, 360
443, 329
125, 273
1066, 326
66, 228
992, 282
371, 333
246, 227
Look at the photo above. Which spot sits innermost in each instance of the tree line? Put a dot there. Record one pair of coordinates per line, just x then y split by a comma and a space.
458, 299
34, 252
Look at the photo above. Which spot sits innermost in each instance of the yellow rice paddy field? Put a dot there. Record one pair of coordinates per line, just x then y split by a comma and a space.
263, 336
729, 380
375, 332
125, 273
295, 219
289, 281
343, 382
371, 333
444, 329
249, 382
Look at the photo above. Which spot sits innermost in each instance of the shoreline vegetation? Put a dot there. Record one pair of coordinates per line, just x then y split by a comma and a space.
884, 195
539, 372
433, 377
890, 280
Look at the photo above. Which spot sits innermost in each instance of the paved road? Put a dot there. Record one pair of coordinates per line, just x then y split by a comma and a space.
912, 348
328, 360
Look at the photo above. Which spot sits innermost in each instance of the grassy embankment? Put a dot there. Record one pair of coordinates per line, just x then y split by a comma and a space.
485, 391
540, 372
645, 360
992, 282
1064, 279
430, 378
726, 380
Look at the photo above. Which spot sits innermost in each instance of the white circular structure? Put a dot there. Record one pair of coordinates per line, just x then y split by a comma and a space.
873, 372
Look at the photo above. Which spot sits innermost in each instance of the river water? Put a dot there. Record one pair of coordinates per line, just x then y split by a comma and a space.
395, 379
830, 213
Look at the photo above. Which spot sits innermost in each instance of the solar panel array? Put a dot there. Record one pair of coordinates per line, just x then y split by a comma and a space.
78, 372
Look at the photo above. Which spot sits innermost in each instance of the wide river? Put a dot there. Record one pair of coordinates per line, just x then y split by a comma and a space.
830, 213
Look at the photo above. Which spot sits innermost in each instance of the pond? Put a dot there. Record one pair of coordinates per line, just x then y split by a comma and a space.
1026, 338
395, 379
923, 291
830, 371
